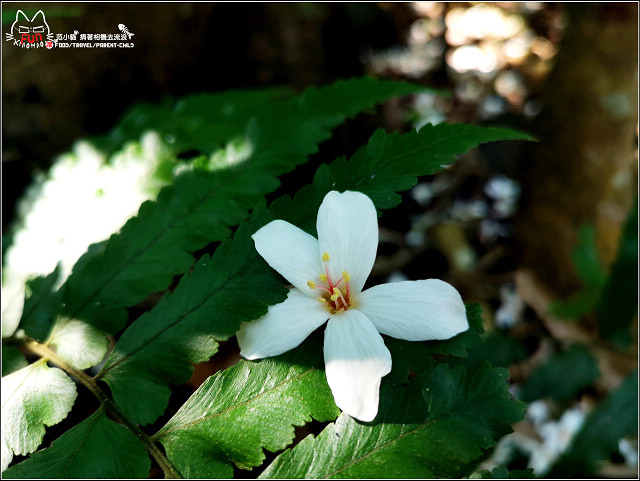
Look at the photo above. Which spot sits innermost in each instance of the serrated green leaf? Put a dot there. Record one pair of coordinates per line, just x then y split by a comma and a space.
388, 164
200, 121
41, 305
437, 427
612, 419
80, 344
151, 248
401, 158
497, 348
201, 206
252, 405
207, 305
618, 302
562, 375
12, 360
96, 448
32, 398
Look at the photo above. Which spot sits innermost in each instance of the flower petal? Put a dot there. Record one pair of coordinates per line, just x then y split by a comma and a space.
415, 310
290, 251
282, 328
348, 231
355, 360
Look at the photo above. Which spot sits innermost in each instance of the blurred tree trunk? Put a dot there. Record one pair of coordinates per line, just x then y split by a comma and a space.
585, 168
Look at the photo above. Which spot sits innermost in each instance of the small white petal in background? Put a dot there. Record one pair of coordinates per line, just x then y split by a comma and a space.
505, 193
397, 276
629, 452
491, 229
538, 412
468, 210
556, 438
422, 193
510, 311
414, 238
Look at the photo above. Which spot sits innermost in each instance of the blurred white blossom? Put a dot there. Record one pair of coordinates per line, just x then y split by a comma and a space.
505, 193
491, 230
538, 412
469, 210
628, 451
511, 307
422, 193
556, 438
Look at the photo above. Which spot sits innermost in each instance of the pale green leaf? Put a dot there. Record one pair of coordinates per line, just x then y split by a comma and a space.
96, 448
250, 406
438, 427
80, 344
32, 398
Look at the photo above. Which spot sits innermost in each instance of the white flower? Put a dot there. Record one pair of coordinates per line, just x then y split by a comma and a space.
328, 275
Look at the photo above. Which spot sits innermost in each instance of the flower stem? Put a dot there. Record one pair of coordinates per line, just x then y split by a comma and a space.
46, 353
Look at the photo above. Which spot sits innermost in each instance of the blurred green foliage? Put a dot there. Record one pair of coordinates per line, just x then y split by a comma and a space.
499, 349
612, 419
501, 472
618, 302
562, 376
613, 297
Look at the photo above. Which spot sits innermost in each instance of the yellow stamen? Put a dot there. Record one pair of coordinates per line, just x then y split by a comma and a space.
311, 284
336, 292
323, 278
322, 299
325, 257
334, 297
346, 276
